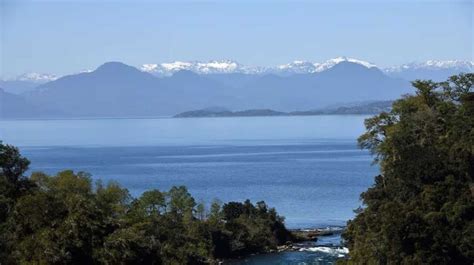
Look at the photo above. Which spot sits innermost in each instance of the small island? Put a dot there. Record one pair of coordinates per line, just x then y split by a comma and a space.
352, 109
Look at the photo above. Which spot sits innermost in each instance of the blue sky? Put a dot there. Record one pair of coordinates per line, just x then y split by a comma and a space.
67, 36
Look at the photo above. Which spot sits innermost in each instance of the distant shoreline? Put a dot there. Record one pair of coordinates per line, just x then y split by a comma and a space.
361, 109
263, 115
166, 117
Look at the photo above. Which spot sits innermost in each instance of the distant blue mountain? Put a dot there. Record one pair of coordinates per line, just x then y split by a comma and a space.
15, 107
117, 90
345, 82
17, 87
113, 89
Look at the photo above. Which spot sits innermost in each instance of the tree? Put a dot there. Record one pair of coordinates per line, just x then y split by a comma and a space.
180, 201
13, 184
215, 213
12, 181
233, 210
420, 209
201, 211
60, 223
152, 202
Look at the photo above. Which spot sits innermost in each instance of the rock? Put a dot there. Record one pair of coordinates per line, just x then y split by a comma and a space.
305, 234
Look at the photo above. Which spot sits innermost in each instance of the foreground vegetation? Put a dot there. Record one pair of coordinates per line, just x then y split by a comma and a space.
66, 219
421, 208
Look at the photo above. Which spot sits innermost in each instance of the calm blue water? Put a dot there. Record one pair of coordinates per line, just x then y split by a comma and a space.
308, 168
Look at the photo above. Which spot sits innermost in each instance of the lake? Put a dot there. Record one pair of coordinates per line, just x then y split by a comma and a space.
309, 168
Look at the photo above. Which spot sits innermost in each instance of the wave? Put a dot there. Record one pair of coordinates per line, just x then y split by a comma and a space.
339, 251
261, 153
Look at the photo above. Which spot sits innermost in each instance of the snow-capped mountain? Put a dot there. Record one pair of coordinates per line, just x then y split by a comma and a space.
315, 67
131, 91
36, 77
26, 82
432, 69
433, 65
229, 66
304, 67
297, 67
115, 89
40, 78
435, 70
332, 62
211, 67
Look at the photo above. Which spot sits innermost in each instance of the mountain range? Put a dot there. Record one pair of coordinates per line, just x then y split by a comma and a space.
433, 69
438, 69
115, 89
229, 66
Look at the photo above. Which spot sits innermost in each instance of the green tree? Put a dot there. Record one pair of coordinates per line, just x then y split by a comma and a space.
201, 211
152, 202
13, 184
215, 213
61, 223
420, 209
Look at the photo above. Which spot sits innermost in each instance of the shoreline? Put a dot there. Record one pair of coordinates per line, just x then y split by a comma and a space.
306, 240
304, 236
168, 117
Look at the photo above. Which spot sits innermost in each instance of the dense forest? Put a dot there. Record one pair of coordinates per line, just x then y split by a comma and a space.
67, 219
421, 208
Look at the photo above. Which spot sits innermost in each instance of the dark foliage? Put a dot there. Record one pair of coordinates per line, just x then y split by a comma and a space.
420, 209
67, 219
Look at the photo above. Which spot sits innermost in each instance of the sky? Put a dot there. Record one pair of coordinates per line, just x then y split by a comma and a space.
63, 37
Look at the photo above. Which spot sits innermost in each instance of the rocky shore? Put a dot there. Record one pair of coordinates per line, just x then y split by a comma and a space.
325, 241
306, 238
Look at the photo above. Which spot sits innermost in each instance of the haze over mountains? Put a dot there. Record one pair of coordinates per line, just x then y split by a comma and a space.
115, 89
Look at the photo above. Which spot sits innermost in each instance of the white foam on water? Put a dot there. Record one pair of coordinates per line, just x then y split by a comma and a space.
340, 252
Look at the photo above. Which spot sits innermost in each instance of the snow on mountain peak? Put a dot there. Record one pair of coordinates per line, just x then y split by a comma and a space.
332, 62
433, 65
37, 77
229, 66
298, 66
309, 67
295, 67
221, 66
448, 63
224, 66
150, 67
176, 66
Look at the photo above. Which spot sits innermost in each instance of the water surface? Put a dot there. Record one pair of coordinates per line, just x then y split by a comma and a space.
308, 168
